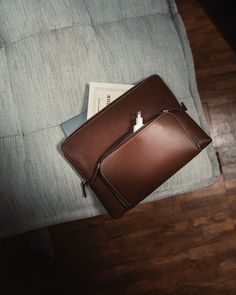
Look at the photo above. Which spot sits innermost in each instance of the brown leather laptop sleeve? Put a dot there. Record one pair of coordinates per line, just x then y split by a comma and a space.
123, 167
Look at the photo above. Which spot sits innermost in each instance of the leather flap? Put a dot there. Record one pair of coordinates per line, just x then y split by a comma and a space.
148, 158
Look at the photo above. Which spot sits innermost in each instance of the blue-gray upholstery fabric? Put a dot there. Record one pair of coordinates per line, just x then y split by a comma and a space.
50, 51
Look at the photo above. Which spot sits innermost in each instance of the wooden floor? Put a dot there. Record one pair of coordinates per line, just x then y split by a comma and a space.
181, 245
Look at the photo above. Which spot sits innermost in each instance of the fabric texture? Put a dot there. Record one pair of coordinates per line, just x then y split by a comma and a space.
50, 51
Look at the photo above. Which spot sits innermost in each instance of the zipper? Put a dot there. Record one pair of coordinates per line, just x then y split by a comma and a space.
84, 183
123, 201
96, 171
83, 187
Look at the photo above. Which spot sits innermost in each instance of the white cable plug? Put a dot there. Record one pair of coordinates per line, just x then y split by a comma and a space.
139, 121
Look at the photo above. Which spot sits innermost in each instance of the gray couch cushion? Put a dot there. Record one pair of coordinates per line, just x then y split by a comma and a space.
51, 51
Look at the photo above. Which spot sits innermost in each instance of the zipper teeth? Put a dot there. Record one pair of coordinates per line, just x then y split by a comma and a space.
96, 172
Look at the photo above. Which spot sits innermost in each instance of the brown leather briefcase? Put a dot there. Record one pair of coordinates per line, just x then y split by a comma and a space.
123, 167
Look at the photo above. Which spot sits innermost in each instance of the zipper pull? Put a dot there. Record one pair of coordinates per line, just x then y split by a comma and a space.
183, 106
83, 184
96, 172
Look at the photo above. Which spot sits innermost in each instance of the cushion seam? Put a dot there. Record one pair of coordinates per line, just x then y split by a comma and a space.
92, 25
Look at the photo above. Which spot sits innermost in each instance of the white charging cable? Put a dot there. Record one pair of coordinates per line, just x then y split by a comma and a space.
139, 121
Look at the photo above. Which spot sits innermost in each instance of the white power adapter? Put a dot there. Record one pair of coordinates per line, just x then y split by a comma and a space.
139, 121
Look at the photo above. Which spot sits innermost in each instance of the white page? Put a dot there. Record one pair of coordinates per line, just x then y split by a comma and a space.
101, 94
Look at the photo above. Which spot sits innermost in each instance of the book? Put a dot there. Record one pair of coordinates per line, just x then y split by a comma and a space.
100, 95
